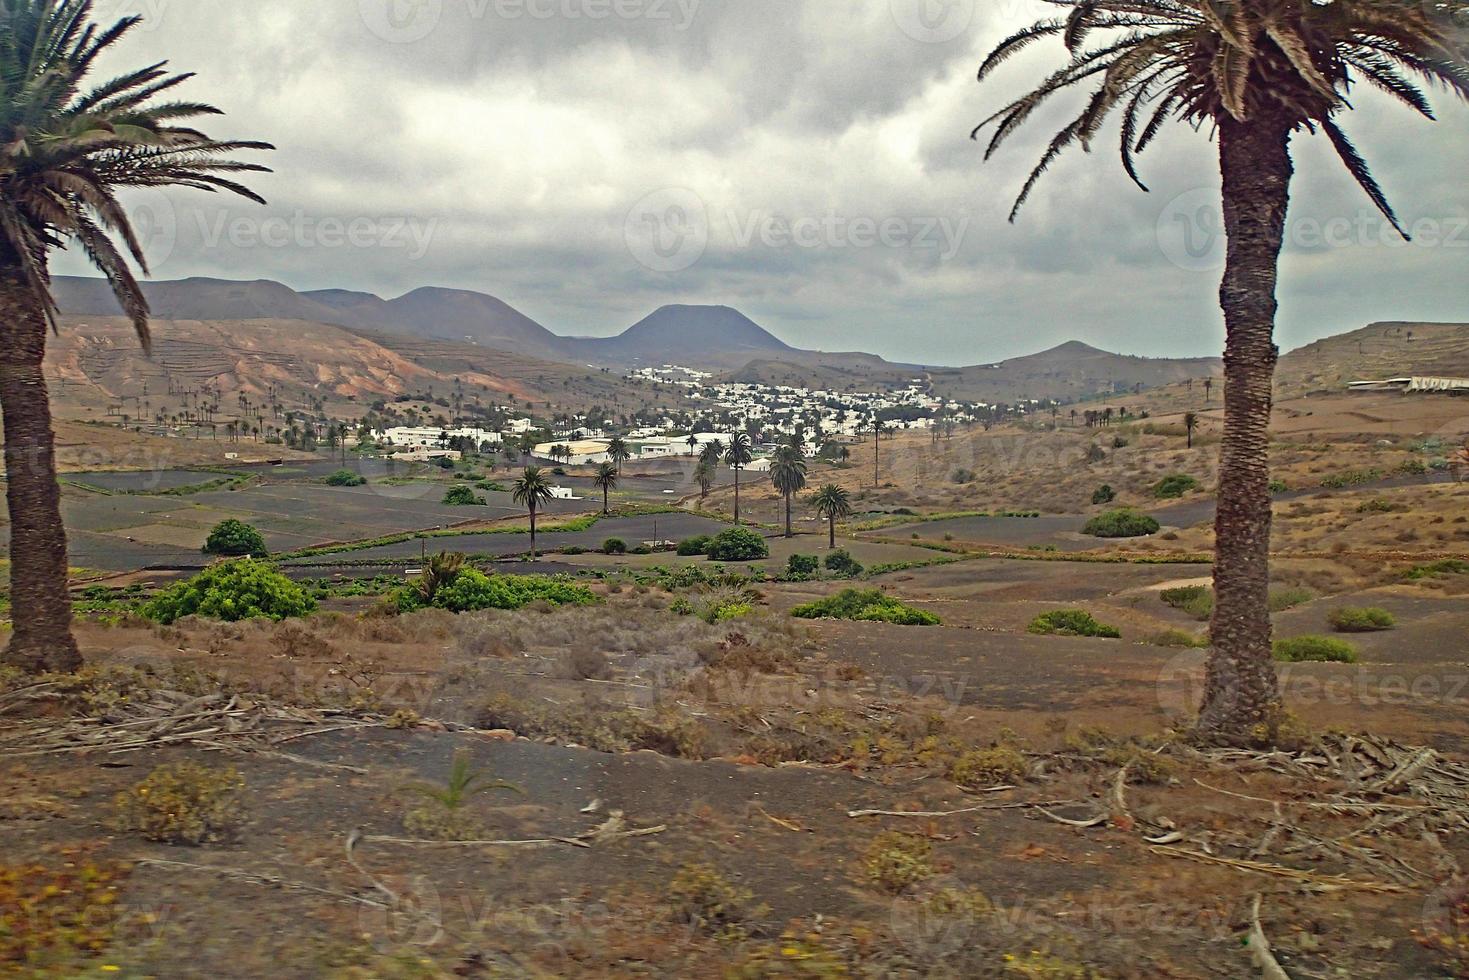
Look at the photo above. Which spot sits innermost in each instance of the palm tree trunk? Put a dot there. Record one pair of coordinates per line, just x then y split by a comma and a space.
737, 494
788, 517
1242, 693
532, 534
39, 597
604, 501
832, 530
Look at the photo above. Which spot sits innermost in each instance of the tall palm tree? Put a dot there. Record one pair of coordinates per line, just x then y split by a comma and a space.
1190, 424
788, 473
712, 452
704, 476
618, 452
833, 504
606, 481
65, 151
738, 456
693, 443
1255, 72
531, 491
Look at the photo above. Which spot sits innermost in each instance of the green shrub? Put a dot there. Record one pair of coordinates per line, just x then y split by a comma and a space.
870, 605
802, 567
461, 497
491, 486
997, 764
841, 562
1172, 487
1380, 505
614, 546
1121, 524
1350, 478
1447, 566
242, 588
1283, 599
473, 590
1071, 622
1361, 619
1104, 494
895, 862
1177, 639
182, 803
694, 547
738, 544
1278, 486
1324, 649
232, 539
345, 478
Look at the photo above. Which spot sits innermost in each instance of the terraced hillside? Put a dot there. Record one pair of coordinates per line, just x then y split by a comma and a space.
1380, 350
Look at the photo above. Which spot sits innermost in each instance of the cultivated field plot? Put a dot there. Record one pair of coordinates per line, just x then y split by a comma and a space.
145, 481
632, 530
1061, 533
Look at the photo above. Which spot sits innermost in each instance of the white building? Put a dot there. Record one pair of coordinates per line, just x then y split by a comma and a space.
431, 436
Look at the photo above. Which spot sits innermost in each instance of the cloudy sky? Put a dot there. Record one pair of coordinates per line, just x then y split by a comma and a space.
807, 161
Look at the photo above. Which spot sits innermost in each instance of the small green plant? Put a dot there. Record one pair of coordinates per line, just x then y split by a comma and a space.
694, 547
444, 814
471, 590
963, 476
231, 539
614, 546
1323, 649
987, 767
841, 562
799, 568
1121, 524
868, 605
709, 901
1380, 505
1279, 486
1175, 486
461, 496
738, 544
894, 862
1071, 622
1446, 566
1177, 639
491, 486
1104, 494
345, 478
1360, 619
182, 803
1196, 600
1289, 598
242, 588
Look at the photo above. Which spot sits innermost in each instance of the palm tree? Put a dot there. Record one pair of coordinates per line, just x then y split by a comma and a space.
833, 504
738, 456
693, 443
606, 481
64, 153
1190, 423
788, 473
618, 452
531, 491
704, 476
1256, 72
712, 452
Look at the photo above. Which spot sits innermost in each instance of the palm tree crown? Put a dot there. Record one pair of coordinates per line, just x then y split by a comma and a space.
788, 473
532, 489
605, 481
1294, 61
65, 151
833, 504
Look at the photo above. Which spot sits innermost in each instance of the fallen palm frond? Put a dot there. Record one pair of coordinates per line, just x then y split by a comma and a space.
614, 828
1265, 961
1322, 882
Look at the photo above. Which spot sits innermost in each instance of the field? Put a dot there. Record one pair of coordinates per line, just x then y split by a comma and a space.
976, 798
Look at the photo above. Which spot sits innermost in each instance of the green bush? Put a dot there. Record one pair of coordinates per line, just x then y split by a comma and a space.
1323, 649
492, 486
870, 606
1121, 524
614, 546
738, 544
473, 590
1071, 622
1177, 639
233, 539
461, 497
1283, 599
232, 590
1278, 486
802, 567
1104, 495
1172, 487
1446, 566
1361, 619
694, 547
182, 803
345, 478
841, 562
1196, 600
